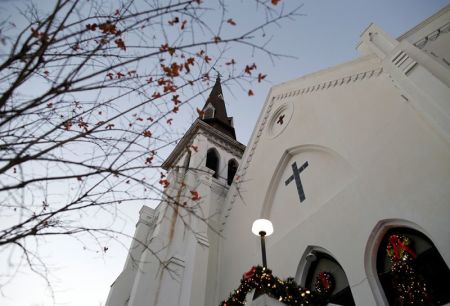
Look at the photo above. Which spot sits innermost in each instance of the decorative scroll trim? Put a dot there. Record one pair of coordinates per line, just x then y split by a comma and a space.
330, 84
432, 36
296, 92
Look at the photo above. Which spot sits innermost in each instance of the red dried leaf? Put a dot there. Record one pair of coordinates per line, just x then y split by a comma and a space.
175, 109
250, 93
175, 99
120, 44
200, 112
149, 160
147, 133
67, 125
173, 21
248, 69
261, 77
231, 21
169, 121
108, 27
91, 27
183, 24
165, 183
275, 2
164, 47
195, 195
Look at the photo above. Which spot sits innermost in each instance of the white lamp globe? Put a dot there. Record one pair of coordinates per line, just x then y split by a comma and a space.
262, 225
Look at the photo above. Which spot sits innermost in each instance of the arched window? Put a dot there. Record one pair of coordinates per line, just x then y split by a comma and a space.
232, 168
411, 270
325, 273
212, 161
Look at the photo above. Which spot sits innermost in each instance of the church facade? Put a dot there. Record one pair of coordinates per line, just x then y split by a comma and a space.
350, 164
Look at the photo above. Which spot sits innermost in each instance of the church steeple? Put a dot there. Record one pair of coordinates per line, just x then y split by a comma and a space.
214, 111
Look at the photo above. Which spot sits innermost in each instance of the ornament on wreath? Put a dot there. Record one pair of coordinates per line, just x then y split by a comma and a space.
324, 283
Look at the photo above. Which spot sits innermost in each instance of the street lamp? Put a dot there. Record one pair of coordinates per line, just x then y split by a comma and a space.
262, 228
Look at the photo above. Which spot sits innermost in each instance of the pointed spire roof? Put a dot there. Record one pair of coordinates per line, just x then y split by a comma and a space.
217, 117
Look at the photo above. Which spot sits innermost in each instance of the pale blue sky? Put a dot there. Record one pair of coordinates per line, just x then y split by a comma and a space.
325, 37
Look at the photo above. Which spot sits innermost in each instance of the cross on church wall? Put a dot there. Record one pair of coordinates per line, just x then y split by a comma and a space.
296, 176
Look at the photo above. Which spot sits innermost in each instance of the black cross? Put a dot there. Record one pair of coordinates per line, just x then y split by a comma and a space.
298, 182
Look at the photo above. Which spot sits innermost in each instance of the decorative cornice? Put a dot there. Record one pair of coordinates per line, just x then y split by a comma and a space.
199, 127
292, 93
330, 84
432, 36
424, 23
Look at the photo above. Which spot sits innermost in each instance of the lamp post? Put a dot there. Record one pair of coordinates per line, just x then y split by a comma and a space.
262, 228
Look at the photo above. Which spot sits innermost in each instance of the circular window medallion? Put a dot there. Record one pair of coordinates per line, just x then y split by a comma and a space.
280, 119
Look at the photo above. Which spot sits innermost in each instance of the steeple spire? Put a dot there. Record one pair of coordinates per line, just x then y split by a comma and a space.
214, 111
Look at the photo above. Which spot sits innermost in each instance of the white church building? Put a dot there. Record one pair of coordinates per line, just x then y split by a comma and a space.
342, 162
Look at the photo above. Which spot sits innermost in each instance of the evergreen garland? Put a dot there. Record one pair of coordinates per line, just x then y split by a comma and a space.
287, 291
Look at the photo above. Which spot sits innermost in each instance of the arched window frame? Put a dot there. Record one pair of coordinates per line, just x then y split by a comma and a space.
210, 152
311, 254
232, 169
370, 257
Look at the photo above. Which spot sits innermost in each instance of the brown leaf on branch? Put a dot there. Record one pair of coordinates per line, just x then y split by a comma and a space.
120, 44
231, 21
183, 24
175, 99
67, 125
261, 77
275, 2
173, 21
108, 28
91, 27
250, 93
195, 195
165, 183
248, 69
147, 133
200, 112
